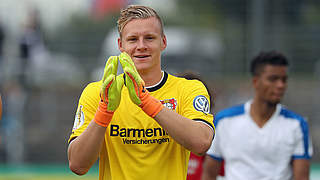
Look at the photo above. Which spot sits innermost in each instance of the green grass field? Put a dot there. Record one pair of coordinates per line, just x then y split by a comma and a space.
47, 177
43, 172
61, 172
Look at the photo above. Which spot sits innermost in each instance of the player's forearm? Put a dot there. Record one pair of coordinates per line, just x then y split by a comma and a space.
84, 150
206, 176
211, 169
195, 136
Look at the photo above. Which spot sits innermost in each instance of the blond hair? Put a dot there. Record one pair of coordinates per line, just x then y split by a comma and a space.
136, 12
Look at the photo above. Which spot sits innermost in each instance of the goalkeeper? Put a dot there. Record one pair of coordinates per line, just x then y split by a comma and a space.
141, 124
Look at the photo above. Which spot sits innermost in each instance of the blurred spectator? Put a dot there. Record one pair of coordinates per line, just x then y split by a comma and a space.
31, 44
15, 92
261, 139
13, 122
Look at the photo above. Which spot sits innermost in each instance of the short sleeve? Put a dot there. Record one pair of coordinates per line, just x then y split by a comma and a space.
303, 147
87, 106
196, 102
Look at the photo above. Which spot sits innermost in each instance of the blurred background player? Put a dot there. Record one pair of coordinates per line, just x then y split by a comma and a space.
261, 139
161, 118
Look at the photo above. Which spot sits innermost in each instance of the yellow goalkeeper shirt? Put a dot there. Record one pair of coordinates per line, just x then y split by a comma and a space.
136, 147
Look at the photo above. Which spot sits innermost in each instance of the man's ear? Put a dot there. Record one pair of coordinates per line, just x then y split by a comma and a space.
120, 45
164, 43
255, 80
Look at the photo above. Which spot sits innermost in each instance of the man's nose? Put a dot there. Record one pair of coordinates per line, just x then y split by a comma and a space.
141, 44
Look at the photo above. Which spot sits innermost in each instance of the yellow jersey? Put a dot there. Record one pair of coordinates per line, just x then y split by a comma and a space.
136, 146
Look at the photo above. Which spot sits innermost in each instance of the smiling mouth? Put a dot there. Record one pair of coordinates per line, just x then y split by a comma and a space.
142, 56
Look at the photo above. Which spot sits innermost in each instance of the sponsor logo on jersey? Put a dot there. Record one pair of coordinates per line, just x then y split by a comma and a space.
201, 103
139, 136
79, 119
170, 103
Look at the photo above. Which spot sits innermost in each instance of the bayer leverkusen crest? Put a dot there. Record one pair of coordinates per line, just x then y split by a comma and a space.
170, 103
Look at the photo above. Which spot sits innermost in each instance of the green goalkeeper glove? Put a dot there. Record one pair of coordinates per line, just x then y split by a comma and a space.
110, 92
136, 87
